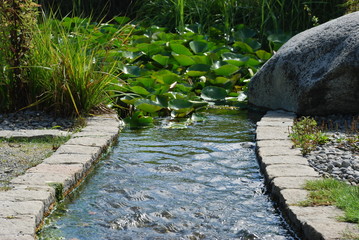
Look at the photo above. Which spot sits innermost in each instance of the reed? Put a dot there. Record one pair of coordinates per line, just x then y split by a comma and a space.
70, 71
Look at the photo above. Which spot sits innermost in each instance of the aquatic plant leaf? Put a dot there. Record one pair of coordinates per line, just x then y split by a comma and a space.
213, 93
163, 60
243, 46
202, 59
129, 99
264, 55
166, 77
180, 49
198, 46
234, 59
150, 48
224, 69
179, 104
138, 120
253, 62
132, 71
139, 90
147, 105
198, 70
244, 33
183, 60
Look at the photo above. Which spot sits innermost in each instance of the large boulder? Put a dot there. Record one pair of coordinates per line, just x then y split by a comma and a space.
315, 73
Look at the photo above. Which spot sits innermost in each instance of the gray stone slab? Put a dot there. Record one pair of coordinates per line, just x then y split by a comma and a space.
16, 237
281, 183
278, 123
23, 193
75, 149
112, 136
9, 209
278, 151
286, 170
85, 159
18, 226
101, 142
275, 143
321, 222
272, 133
45, 179
73, 170
95, 128
290, 160
292, 196
34, 133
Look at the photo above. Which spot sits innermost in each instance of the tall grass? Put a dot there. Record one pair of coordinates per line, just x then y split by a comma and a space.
70, 68
266, 15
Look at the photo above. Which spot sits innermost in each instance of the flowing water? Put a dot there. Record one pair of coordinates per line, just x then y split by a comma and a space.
199, 182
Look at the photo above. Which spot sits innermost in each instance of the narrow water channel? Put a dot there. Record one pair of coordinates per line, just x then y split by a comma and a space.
199, 182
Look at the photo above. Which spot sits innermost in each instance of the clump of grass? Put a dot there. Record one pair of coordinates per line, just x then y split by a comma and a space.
71, 66
334, 192
306, 135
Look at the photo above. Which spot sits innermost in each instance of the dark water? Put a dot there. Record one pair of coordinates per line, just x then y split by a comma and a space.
201, 182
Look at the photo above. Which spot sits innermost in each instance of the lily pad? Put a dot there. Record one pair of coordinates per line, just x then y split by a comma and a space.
213, 93
179, 104
183, 60
198, 46
198, 70
180, 49
163, 60
147, 105
224, 69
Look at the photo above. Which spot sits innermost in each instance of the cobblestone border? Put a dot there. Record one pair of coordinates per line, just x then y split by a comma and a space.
23, 208
286, 172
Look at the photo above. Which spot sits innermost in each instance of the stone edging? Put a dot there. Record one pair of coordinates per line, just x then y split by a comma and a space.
23, 208
286, 171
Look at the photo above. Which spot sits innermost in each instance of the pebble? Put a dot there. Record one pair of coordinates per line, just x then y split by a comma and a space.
337, 158
25, 120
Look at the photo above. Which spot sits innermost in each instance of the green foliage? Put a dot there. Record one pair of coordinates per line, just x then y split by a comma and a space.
73, 64
306, 135
163, 73
17, 20
334, 192
266, 15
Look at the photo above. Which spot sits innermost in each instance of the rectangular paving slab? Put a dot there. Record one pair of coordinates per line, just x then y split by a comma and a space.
17, 226
321, 222
10, 209
287, 170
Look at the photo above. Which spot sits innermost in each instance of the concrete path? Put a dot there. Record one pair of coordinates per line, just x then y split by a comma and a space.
23, 208
286, 172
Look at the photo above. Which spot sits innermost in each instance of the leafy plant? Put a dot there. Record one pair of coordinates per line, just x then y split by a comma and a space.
17, 20
306, 135
72, 67
164, 73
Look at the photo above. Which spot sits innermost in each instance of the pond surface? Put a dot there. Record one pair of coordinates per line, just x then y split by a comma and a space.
200, 182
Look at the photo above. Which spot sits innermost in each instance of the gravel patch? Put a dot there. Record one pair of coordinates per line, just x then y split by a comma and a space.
19, 155
25, 120
339, 158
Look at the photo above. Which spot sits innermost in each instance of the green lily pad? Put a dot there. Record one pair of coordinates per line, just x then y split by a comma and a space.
139, 90
198, 70
132, 71
213, 93
179, 104
198, 46
138, 120
183, 60
264, 55
180, 49
147, 105
163, 60
224, 69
